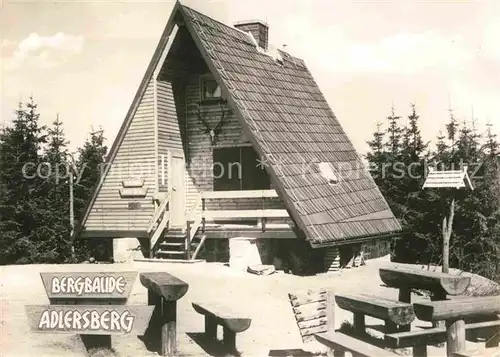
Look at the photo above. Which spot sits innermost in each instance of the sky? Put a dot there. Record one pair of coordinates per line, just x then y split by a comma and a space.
84, 60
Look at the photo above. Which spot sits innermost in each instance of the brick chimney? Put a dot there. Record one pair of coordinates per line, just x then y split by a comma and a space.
257, 28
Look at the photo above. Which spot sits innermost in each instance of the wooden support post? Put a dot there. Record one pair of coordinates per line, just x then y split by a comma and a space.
263, 223
150, 249
210, 327
438, 296
359, 323
152, 337
229, 339
338, 353
455, 330
203, 220
168, 329
405, 296
420, 351
163, 291
447, 227
391, 327
188, 240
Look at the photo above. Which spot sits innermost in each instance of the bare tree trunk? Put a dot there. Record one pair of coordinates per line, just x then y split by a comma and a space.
447, 227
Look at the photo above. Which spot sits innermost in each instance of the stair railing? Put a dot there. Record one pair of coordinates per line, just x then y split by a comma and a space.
155, 229
191, 228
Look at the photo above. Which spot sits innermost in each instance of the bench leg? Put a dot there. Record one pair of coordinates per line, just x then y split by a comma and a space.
405, 295
229, 339
338, 353
359, 323
169, 329
160, 335
420, 351
152, 336
391, 327
210, 327
438, 296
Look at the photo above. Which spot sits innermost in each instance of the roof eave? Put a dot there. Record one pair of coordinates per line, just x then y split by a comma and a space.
354, 240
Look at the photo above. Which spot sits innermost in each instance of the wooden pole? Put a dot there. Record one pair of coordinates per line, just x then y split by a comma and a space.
438, 296
71, 204
455, 337
447, 227
405, 296
188, 240
168, 329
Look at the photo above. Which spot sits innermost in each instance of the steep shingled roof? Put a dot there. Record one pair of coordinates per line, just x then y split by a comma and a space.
293, 127
290, 124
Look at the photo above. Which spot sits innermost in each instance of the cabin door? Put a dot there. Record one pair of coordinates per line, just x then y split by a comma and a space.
176, 189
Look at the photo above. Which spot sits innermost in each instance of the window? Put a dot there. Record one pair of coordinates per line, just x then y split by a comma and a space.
238, 168
210, 88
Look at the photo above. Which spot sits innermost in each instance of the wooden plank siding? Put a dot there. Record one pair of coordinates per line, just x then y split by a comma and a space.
169, 135
134, 159
200, 151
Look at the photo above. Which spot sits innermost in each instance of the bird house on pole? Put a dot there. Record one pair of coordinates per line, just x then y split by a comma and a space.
455, 179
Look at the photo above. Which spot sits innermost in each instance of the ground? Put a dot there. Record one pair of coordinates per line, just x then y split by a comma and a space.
263, 298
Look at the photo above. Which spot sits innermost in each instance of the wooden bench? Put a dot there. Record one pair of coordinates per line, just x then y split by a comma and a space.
394, 313
314, 313
420, 339
163, 292
341, 343
454, 312
229, 320
439, 284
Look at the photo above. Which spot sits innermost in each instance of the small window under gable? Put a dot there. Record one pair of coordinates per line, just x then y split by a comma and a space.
326, 170
210, 90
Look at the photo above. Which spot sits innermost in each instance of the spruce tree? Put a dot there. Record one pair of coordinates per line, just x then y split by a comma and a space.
21, 206
394, 133
57, 198
452, 131
90, 163
377, 157
89, 167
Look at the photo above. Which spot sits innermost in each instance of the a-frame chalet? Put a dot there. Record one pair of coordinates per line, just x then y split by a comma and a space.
227, 140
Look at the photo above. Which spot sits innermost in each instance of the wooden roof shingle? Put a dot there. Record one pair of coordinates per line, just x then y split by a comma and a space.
293, 127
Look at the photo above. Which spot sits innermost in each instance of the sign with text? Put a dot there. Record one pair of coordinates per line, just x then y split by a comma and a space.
89, 285
137, 182
90, 319
133, 192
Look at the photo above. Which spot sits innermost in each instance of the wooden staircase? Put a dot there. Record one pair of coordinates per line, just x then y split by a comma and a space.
173, 245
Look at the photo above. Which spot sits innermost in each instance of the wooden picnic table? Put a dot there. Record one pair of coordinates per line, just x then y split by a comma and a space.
437, 283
